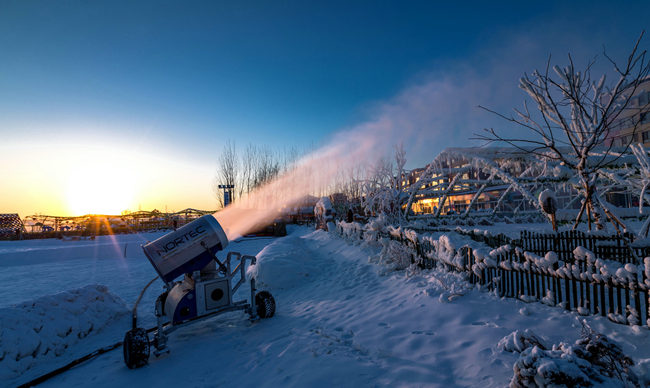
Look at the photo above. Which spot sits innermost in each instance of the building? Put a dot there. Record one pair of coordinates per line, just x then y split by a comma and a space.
634, 125
11, 225
487, 180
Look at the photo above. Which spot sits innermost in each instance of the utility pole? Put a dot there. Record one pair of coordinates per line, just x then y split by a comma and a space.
227, 194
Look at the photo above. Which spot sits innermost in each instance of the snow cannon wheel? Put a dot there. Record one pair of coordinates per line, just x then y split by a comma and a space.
136, 348
265, 304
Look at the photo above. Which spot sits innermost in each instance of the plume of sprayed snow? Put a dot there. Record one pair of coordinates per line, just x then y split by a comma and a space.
437, 111
313, 173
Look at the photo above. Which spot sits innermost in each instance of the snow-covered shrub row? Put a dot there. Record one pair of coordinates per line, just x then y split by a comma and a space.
585, 267
372, 231
397, 255
591, 360
46, 327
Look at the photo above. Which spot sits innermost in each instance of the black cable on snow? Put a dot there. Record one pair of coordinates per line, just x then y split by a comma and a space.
76, 362
64, 368
135, 306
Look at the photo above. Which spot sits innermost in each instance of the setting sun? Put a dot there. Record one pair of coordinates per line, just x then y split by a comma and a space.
99, 189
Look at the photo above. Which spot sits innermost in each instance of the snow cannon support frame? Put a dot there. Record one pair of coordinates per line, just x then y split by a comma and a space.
205, 291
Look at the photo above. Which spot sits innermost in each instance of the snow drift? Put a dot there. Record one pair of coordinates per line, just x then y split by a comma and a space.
45, 328
280, 268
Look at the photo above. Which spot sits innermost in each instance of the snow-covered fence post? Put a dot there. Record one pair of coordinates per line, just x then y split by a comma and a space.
557, 288
594, 284
466, 253
637, 299
646, 290
567, 289
601, 283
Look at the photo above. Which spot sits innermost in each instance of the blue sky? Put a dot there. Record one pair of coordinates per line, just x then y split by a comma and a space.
179, 78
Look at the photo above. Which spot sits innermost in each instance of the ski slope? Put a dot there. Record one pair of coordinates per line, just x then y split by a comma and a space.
341, 320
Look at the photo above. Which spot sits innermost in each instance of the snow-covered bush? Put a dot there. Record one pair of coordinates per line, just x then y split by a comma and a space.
518, 341
642, 370
394, 255
593, 359
446, 251
350, 230
383, 192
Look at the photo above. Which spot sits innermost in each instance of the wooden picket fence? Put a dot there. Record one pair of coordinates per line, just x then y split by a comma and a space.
610, 247
580, 292
516, 277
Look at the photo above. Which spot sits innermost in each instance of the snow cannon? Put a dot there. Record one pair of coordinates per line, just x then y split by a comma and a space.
208, 286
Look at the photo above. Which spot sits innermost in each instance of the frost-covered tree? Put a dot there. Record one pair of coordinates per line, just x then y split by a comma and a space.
641, 182
574, 122
382, 188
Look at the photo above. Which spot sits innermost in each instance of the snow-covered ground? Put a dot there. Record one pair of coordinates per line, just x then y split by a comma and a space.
341, 320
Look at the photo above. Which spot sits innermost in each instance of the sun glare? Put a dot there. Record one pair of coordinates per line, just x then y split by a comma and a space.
100, 189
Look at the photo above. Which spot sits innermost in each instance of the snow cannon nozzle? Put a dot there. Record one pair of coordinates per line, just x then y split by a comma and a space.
189, 248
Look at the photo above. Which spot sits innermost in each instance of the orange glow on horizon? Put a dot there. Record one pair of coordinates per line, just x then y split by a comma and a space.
72, 178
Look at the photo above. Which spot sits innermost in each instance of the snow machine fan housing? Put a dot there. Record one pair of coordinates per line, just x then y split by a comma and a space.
190, 248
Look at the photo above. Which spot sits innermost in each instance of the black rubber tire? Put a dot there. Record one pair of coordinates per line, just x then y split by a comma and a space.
136, 348
265, 304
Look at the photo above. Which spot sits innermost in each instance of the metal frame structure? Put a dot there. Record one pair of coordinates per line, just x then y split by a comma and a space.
490, 181
201, 280
105, 223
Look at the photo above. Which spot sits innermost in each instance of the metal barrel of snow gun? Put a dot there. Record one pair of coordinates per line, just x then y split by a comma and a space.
189, 248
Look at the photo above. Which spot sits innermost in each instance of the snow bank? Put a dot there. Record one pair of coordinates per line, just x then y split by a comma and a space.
281, 268
45, 328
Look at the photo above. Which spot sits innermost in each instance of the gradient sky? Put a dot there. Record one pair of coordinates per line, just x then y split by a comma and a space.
134, 100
